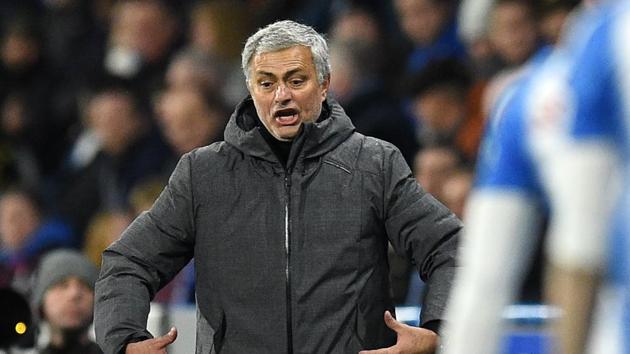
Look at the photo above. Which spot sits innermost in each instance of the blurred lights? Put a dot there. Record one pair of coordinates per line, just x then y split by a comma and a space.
20, 328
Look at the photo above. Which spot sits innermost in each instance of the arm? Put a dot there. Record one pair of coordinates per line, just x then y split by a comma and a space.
424, 229
149, 253
498, 240
577, 235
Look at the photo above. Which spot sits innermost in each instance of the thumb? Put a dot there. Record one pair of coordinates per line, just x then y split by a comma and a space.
166, 339
392, 323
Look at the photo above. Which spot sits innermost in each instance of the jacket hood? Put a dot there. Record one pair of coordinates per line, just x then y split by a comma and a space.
331, 129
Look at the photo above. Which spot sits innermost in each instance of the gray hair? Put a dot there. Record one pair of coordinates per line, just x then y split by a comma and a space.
286, 34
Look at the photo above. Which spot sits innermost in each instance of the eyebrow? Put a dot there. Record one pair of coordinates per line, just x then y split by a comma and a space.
286, 75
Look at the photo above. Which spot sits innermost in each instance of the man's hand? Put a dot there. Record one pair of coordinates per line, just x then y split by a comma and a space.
411, 340
153, 346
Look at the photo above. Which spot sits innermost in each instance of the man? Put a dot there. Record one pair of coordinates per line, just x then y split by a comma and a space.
64, 297
288, 222
548, 147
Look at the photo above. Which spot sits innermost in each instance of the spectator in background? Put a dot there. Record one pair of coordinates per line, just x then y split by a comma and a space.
192, 69
26, 234
143, 35
64, 298
357, 24
103, 229
217, 29
189, 120
513, 32
440, 95
28, 121
127, 150
455, 190
433, 166
431, 28
358, 88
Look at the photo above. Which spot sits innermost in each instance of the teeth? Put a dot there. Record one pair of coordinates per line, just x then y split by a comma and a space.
286, 118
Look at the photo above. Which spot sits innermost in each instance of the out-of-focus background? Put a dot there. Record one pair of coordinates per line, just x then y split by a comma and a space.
99, 99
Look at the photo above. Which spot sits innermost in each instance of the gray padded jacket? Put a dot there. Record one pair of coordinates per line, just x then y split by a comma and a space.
288, 259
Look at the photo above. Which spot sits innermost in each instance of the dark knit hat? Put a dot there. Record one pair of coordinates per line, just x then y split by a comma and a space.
56, 266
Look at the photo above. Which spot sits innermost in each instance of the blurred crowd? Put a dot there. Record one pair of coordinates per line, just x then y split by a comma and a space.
99, 99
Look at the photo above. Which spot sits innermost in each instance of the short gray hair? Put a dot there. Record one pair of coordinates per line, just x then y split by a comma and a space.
286, 34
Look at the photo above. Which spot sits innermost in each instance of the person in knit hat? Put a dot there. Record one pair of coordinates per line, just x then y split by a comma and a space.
64, 298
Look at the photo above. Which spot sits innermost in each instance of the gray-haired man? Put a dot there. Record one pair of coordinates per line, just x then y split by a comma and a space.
288, 220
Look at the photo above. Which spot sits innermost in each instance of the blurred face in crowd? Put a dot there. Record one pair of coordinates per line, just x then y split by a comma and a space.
513, 31
422, 20
68, 304
144, 26
115, 121
187, 120
455, 192
286, 91
432, 168
440, 109
18, 51
19, 218
356, 26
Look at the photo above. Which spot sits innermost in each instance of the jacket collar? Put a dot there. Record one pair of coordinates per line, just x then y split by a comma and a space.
243, 131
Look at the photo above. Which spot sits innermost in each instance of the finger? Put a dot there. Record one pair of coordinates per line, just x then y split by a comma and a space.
392, 323
376, 351
165, 340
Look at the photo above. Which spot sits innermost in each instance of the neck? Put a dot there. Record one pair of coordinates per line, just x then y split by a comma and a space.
64, 338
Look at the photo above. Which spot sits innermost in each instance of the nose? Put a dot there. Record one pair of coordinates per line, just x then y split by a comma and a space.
74, 290
282, 94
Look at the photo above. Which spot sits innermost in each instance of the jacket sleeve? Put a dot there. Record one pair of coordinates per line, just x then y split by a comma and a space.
422, 228
147, 256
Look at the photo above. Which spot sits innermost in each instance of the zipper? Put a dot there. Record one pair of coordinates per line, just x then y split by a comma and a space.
287, 250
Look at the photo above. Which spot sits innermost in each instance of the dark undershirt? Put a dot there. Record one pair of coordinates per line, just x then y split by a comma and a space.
280, 148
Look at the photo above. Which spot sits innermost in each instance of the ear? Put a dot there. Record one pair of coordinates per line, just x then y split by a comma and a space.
324, 86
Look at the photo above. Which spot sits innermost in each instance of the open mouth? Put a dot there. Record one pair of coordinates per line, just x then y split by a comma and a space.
287, 116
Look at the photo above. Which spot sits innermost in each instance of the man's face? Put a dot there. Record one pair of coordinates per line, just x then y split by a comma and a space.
69, 304
286, 91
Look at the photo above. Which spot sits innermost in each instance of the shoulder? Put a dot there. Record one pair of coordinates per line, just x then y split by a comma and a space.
366, 153
216, 154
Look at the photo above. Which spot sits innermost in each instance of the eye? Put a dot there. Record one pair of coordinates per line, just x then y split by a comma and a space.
296, 82
265, 84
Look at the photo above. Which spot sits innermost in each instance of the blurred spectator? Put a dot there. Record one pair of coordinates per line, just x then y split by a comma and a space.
28, 123
433, 166
189, 121
217, 31
192, 69
512, 32
440, 96
143, 35
218, 28
431, 28
144, 194
128, 151
64, 298
358, 88
356, 24
103, 229
26, 233
455, 190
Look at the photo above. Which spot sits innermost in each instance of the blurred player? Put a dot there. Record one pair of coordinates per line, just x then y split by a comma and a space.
552, 144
